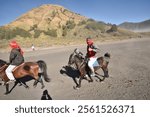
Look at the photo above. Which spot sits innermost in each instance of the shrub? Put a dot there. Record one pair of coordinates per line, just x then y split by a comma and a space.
82, 23
51, 32
21, 32
91, 20
6, 33
70, 24
113, 28
34, 27
64, 31
95, 26
37, 33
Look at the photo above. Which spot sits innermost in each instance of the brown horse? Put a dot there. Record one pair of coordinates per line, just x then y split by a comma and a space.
80, 63
37, 70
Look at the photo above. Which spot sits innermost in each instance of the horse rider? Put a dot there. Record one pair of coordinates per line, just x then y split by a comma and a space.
16, 58
91, 55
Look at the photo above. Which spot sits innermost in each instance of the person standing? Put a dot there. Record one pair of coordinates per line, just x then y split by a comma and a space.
32, 47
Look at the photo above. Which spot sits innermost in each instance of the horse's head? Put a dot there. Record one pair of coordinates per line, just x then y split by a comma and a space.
2, 62
76, 54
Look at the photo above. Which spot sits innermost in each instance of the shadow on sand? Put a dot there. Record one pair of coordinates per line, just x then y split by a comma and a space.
71, 72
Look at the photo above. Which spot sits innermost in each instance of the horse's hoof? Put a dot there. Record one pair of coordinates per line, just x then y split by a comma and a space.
98, 80
27, 87
106, 76
76, 87
20, 84
6, 93
34, 86
90, 81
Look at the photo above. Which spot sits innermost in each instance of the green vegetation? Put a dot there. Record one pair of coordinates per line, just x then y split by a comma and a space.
6, 33
91, 24
82, 23
51, 32
70, 24
64, 31
37, 33
34, 27
113, 28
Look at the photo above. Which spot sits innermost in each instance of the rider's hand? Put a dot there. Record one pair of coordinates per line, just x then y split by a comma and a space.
90, 49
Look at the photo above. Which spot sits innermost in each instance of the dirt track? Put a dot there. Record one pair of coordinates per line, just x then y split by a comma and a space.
129, 69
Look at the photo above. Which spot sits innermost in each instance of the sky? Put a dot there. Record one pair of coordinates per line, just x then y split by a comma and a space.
108, 11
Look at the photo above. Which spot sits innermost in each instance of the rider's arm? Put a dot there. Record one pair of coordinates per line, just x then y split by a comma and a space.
94, 48
12, 56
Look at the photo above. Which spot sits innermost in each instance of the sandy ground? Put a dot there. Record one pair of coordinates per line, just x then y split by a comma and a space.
129, 71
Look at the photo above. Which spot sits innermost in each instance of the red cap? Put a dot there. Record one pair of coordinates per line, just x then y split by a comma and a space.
13, 44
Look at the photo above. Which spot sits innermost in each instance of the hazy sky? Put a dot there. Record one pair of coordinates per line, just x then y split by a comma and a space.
109, 11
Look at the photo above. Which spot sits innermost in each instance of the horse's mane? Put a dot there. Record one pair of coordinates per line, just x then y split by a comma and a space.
2, 62
79, 57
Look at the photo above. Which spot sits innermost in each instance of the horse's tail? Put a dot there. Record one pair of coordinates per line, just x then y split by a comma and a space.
43, 70
107, 56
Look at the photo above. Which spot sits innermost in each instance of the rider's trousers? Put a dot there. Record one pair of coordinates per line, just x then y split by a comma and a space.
9, 73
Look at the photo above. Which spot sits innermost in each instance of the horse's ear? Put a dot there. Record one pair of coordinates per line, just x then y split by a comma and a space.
75, 50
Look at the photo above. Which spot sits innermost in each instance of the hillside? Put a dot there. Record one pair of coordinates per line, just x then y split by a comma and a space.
138, 27
46, 18
55, 25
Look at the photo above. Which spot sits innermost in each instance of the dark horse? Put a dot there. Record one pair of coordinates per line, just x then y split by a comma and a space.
80, 63
36, 70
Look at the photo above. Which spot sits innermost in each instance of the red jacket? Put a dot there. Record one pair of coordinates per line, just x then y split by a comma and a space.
91, 51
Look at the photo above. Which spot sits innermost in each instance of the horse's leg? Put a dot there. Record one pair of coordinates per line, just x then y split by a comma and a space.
35, 83
99, 77
7, 89
36, 80
39, 80
105, 70
13, 87
79, 84
22, 83
91, 80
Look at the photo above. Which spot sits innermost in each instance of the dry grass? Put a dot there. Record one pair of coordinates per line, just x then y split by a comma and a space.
45, 41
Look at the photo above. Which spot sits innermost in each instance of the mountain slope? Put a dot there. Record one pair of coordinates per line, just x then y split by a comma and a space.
138, 27
46, 16
54, 21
